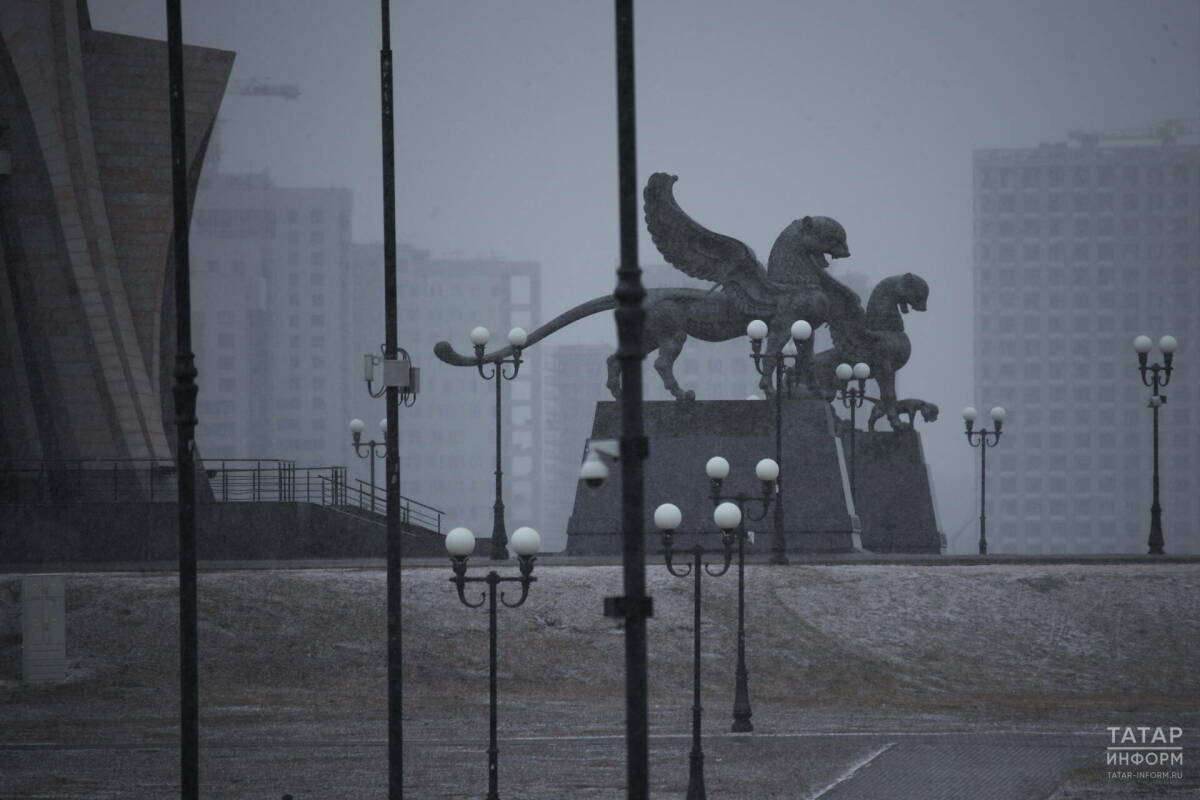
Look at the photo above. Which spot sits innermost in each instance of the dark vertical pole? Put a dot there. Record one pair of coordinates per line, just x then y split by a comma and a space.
493, 747
695, 790
779, 548
185, 423
853, 431
630, 318
499, 550
983, 446
1156, 534
741, 690
392, 434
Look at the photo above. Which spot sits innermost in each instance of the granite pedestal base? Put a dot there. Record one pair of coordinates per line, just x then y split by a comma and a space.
814, 488
895, 500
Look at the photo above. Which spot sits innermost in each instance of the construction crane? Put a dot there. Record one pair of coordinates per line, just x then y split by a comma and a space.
261, 87
1166, 132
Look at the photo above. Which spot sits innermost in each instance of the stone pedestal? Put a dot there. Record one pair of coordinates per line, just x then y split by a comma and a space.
895, 501
818, 512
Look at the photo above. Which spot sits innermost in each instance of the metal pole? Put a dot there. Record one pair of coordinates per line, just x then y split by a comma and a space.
983, 446
695, 789
779, 548
741, 694
185, 391
853, 429
499, 535
372, 460
630, 319
1156, 534
392, 434
493, 746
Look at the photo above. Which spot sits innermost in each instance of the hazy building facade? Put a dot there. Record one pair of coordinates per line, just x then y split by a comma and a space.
87, 342
271, 316
1079, 248
447, 438
574, 383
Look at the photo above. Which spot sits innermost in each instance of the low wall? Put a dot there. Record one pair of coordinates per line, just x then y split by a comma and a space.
109, 532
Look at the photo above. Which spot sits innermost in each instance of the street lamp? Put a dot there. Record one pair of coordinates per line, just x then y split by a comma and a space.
757, 331
667, 518
517, 338
373, 449
980, 438
767, 471
460, 543
852, 397
1155, 376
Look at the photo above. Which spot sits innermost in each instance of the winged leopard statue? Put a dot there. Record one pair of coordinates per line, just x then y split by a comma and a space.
794, 285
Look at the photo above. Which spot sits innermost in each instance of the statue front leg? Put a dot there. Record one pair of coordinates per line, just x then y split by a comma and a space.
886, 379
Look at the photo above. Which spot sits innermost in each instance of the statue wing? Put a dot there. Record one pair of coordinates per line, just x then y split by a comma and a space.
696, 251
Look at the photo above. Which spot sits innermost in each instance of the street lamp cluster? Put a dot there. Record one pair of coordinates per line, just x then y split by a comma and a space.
983, 439
369, 450
1155, 377
730, 513
516, 339
801, 331
460, 543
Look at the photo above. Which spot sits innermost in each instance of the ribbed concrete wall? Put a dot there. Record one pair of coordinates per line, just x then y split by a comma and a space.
85, 230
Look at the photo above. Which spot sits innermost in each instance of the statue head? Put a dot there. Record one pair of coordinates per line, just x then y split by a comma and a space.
912, 290
825, 235
929, 412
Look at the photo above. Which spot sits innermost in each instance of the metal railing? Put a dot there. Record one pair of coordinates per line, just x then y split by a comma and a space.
364, 497
78, 481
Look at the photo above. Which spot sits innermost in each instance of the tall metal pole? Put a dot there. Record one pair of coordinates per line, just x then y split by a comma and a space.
853, 431
983, 494
185, 391
395, 648
630, 318
741, 690
779, 547
499, 534
493, 746
1155, 542
695, 790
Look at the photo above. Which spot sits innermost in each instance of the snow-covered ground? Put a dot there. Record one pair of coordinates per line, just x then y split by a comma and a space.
299, 656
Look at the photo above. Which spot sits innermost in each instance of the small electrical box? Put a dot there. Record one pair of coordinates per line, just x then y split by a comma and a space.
398, 373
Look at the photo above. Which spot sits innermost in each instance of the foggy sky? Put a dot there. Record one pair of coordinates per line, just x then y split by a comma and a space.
863, 111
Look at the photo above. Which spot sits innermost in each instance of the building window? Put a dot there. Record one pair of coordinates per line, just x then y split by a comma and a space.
318, 320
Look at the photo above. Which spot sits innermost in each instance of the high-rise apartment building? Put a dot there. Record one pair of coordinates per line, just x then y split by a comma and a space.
574, 381
270, 294
1079, 248
447, 438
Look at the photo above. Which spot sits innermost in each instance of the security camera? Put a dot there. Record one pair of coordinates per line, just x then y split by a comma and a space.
593, 472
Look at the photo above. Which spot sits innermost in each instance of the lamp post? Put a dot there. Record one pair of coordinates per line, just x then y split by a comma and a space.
667, 518
460, 543
479, 339
763, 363
1155, 376
373, 449
767, 471
852, 397
983, 439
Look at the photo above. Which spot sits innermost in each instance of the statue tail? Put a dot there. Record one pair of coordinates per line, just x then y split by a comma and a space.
446, 352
